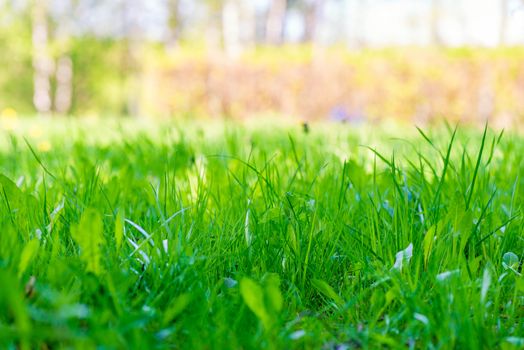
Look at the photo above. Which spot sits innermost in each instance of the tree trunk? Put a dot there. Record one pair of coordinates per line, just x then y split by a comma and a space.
64, 84
231, 28
275, 21
64, 65
131, 59
248, 26
312, 16
42, 62
174, 23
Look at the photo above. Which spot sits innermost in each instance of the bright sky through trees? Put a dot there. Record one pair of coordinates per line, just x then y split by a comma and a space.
364, 22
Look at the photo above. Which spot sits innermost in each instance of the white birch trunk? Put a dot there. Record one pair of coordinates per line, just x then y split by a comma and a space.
64, 84
275, 21
231, 28
42, 62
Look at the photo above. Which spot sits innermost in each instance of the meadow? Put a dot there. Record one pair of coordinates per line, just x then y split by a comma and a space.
214, 235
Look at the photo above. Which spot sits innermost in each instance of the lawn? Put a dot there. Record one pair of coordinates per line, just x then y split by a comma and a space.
244, 236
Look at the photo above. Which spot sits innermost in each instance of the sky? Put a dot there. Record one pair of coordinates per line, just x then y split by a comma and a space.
405, 22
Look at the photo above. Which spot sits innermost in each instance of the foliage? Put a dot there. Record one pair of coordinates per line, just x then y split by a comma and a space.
421, 85
407, 84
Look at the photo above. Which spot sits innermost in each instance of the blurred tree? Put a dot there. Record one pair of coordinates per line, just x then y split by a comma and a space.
174, 23
16, 82
131, 56
248, 23
62, 42
275, 22
231, 27
214, 27
313, 11
42, 62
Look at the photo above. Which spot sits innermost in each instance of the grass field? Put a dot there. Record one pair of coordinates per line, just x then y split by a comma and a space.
225, 236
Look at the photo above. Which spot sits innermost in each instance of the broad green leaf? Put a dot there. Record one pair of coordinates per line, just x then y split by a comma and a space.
22, 207
88, 234
328, 291
384, 339
176, 307
274, 299
11, 193
253, 296
391, 295
510, 261
29, 251
474, 263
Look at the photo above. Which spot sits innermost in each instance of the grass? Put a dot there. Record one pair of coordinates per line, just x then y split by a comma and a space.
187, 236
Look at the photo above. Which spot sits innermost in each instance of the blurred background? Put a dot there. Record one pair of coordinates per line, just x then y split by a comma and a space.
342, 60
